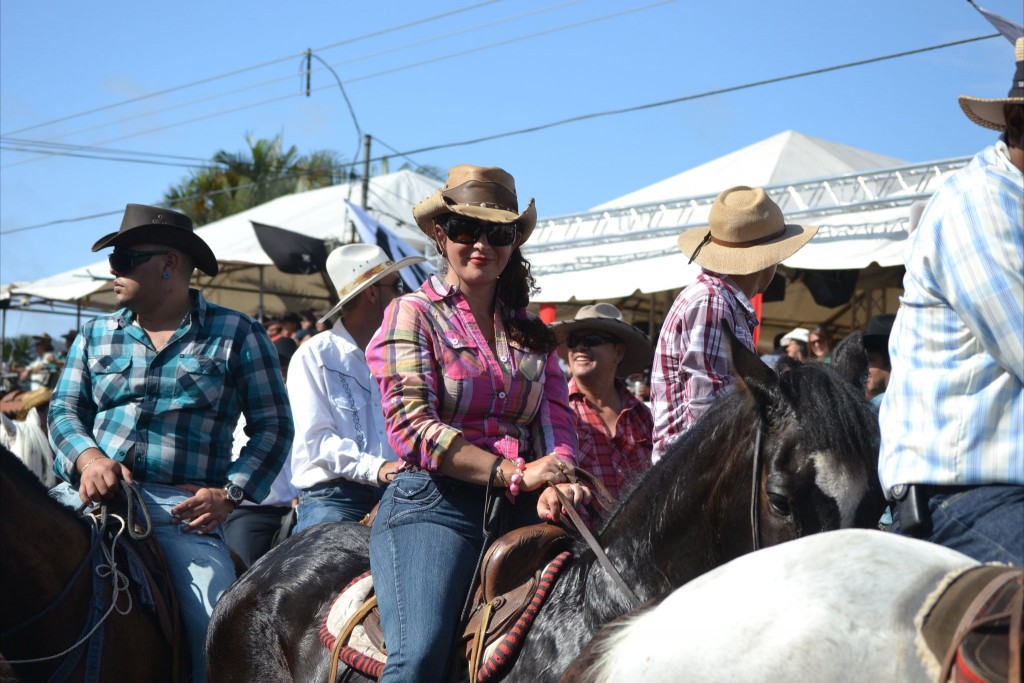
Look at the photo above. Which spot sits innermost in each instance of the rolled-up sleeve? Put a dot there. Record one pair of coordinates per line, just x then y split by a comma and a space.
402, 359
556, 419
72, 413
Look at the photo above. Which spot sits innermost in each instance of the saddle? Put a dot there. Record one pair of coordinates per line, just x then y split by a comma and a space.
512, 576
974, 625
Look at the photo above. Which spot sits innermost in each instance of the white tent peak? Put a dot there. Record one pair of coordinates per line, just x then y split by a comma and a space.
788, 156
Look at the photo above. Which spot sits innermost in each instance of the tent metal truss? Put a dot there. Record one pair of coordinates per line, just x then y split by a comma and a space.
803, 201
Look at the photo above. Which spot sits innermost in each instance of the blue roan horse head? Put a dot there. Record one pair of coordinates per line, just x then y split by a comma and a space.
785, 455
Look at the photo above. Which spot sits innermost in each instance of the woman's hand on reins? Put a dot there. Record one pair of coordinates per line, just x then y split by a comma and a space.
549, 469
549, 506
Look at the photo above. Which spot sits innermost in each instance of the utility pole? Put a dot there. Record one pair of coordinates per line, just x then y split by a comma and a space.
366, 169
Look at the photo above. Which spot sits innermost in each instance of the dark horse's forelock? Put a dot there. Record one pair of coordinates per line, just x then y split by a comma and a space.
22, 479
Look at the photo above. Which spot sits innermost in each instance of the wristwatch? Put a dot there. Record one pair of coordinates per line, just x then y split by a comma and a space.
235, 493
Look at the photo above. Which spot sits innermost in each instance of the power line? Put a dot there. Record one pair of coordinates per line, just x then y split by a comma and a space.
687, 98
261, 65
626, 110
451, 55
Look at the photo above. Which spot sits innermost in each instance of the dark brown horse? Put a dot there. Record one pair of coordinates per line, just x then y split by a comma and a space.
49, 602
783, 456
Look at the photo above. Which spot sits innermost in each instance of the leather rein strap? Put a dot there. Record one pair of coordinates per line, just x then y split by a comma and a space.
755, 486
596, 547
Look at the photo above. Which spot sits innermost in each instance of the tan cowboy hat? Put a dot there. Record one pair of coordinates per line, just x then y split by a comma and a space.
33, 399
607, 318
988, 113
486, 193
746, 233
143, 224
354, 267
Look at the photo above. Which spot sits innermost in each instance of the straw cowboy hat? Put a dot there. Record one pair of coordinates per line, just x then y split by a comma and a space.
486, 193
988, 113
354, 267
746, 233
607, 318
152, 225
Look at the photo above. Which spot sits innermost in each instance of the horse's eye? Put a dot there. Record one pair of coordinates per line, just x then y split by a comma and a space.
780, 504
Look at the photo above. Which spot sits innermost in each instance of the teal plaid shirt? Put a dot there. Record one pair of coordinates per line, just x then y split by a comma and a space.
178, 407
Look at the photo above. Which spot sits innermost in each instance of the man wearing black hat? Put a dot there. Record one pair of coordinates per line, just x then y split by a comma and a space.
151, 394
876, 343
951, 458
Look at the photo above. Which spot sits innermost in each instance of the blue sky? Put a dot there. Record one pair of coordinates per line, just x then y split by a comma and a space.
491, 68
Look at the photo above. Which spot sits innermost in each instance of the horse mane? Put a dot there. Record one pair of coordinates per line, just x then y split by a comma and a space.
22, 479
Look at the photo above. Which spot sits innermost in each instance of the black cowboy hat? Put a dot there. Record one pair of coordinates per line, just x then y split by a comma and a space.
152, 225
876, 338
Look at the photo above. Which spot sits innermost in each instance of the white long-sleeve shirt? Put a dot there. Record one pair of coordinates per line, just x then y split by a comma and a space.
336, 406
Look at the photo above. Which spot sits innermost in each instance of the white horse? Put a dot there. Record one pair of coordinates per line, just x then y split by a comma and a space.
836, 606
27, 440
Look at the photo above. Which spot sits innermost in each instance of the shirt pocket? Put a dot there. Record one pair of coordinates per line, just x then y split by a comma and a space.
110, 377
460, 358
199, 381
347, 396
532, 365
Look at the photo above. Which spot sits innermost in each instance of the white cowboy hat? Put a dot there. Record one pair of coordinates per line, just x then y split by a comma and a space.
607, 318
988, 113
486, 193
800, 334
354, 267
746, 233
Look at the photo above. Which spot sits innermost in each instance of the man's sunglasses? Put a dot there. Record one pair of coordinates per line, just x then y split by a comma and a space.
590, 340
467, 231
123, 261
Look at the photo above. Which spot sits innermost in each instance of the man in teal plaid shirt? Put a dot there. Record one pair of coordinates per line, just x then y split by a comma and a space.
151, 394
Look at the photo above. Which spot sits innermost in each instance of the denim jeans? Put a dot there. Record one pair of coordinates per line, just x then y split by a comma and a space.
982, 522
423, 549
252, 530
200, 566
336, 501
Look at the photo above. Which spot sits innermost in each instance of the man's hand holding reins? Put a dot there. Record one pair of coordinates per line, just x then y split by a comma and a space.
100, 476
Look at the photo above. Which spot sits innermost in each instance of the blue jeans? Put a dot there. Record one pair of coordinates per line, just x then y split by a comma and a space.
340, 500
423, 549
982, 522
200, 566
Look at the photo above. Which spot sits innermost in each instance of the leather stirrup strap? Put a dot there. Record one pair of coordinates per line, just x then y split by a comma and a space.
970, 621
478, 642
596, 547
345, 632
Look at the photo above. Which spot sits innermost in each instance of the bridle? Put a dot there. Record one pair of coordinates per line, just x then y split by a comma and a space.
755, 487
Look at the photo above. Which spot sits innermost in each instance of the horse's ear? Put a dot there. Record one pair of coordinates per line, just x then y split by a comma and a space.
752, 374
850, 360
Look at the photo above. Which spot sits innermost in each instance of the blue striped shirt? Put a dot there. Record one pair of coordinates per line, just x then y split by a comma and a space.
178, 407
953, 413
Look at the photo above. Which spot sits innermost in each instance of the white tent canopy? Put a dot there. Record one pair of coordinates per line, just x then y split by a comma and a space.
860, 201
248, 280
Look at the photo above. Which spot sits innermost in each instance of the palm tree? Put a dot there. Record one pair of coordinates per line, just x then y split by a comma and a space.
241, 180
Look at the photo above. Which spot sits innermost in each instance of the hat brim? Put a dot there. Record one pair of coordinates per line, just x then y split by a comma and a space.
408, 261
987, 113
745, 260
186, 241
438, 205
639, 350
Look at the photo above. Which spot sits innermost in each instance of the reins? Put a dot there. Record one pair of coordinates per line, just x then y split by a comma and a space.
118, 579
602, 557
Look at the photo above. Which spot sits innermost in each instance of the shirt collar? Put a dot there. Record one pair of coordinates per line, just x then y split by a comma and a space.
124, 317
730, 286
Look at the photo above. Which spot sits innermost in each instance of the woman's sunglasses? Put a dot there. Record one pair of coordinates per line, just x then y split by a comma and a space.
590, 340
123, 261
467, 231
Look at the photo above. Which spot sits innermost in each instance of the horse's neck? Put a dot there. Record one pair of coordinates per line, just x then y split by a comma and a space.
39, 540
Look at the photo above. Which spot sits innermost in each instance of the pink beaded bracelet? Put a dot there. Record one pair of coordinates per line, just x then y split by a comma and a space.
517, 478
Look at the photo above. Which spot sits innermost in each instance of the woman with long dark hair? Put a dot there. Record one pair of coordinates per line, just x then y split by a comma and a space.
476, 406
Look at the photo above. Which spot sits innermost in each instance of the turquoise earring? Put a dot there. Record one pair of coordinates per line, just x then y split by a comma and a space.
167, 275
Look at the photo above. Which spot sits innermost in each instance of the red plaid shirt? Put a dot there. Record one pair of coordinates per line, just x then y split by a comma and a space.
614, 460
691, 362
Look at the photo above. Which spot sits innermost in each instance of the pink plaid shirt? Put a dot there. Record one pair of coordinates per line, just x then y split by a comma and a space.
691, 363
614, 460
439, 379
